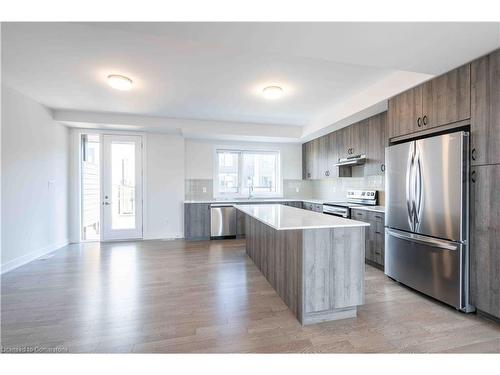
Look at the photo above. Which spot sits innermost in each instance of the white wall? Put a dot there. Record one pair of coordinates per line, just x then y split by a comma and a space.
200, 154
164, 186
35, 155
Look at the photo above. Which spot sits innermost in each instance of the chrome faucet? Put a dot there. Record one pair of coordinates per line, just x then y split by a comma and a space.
250, 191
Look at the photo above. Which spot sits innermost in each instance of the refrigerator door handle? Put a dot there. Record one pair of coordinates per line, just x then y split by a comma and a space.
409, 177
412, 237
417, 200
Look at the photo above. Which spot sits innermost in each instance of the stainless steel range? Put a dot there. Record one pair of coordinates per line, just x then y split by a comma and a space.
355, 198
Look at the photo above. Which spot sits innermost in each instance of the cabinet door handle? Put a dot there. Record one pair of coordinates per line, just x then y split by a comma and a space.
378, 217
382, 167
425, 120
419, 122
473, 176
473, 154
378, 232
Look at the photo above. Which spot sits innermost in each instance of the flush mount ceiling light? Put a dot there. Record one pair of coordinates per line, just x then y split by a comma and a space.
119, 82
272, 92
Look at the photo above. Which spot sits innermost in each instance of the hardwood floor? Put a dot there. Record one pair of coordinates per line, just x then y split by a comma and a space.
208, 297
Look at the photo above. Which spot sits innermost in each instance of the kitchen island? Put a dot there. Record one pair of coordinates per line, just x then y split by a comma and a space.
315, 262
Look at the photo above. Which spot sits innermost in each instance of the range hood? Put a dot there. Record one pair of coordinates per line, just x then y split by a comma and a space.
351, 160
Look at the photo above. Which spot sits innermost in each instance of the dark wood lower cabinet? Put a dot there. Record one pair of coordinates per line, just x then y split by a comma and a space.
197, 221
485, 239
375, 236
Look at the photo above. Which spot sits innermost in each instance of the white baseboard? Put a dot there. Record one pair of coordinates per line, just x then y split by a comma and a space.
175, 236
22, 260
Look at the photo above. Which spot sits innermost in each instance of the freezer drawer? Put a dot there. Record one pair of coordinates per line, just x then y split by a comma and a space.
222, 221
432, 266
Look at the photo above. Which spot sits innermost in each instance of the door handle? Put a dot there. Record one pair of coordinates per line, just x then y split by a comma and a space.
105, 203
424, 120
473, 176
419, 122
418, 185
473, 154
409, 172
412, 237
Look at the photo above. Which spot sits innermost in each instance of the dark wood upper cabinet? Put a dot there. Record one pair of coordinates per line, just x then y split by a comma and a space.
324, 145
343, 141
446, 99
443, 100
485, 110
404, 112
365, 137
307, 161
358, 137
485, 239
333, 154
377, 141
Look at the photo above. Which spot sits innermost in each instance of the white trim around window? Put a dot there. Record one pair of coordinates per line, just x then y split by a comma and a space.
241, 181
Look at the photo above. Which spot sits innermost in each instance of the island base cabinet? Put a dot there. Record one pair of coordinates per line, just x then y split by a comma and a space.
332, 273
319, 273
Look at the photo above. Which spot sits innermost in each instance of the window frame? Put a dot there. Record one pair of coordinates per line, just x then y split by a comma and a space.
242, 192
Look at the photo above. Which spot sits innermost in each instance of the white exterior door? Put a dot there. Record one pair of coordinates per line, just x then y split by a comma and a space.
121, 187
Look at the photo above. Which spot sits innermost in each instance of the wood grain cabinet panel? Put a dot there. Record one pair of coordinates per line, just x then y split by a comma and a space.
374, 235
358, 137
196, 221
485, 239
404, 112
443, 100
446, 99
305, 159
332, 155
376, 143
343, 140
324, 145
308, 160
315, 149
485, 109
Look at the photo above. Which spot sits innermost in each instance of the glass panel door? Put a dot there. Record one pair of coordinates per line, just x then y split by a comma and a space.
90, 187
122, 187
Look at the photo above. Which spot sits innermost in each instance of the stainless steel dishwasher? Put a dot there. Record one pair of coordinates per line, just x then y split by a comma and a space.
223, 220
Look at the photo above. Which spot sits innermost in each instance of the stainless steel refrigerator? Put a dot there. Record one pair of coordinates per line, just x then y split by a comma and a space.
427, 199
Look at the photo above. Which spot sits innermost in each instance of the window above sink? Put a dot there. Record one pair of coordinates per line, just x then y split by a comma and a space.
243, 173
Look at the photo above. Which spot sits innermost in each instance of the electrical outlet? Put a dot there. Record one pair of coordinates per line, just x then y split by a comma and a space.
297, 189
204, 189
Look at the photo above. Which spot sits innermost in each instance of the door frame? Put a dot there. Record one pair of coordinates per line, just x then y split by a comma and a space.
141, 223
76, 208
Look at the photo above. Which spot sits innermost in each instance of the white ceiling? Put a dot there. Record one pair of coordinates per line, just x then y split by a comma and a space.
216, 71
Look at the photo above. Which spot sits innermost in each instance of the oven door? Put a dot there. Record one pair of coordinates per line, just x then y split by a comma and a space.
336, 211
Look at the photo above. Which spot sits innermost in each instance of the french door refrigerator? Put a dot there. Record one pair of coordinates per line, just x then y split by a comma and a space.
426, 234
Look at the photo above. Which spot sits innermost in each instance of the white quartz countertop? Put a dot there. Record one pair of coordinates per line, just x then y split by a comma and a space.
370, 208
256, 200
282, 217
